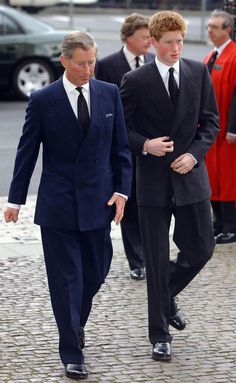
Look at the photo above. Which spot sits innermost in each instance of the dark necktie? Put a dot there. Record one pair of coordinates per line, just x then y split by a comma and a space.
137, 65
82, 110
212, 60
173, 88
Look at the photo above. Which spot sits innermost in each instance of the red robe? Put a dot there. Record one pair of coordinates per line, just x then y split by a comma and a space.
221, 158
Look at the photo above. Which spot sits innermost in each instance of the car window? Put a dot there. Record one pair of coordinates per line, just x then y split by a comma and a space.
8, 26
33, 25
19, 22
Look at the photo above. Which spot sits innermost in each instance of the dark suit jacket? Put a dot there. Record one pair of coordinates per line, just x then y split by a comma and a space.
113, 67
79, 175
193, 127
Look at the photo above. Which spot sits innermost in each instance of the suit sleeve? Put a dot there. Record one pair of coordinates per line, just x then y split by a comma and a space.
208, 121
130, 104
27, 154
120, 153
231, 127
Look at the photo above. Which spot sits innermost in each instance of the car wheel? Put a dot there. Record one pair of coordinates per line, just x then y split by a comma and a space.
31, 75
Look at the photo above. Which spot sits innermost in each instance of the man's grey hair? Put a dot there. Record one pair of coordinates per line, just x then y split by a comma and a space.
131, 24
74, 40
228, 18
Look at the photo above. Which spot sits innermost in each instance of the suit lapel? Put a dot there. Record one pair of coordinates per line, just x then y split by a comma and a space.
95, 110
186, 94
159, 95
122, 64
66, 116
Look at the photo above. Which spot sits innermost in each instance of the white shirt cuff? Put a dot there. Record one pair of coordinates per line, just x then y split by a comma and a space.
122, 195
192, 157
13, 205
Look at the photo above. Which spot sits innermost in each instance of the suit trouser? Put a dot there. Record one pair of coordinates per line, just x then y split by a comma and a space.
224, 216
193, 235
77, 264
130, 229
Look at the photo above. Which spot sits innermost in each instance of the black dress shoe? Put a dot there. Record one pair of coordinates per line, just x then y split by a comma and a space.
180, 261
177, 319
76, 371
216, 232
161, 351
138, 274
225, 238
81, 338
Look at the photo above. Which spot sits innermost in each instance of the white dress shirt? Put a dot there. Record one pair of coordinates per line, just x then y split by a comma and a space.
164, 72
130, 57
73, 94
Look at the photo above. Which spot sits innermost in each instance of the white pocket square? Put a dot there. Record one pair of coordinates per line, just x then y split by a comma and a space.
108, 115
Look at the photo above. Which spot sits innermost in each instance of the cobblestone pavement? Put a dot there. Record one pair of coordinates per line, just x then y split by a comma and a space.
117, 346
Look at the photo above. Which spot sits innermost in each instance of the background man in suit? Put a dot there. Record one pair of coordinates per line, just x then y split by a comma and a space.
136, 38
85, 179
221, 158
171, 115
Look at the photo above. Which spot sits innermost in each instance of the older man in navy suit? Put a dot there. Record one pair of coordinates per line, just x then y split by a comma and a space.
135, 53
85, 181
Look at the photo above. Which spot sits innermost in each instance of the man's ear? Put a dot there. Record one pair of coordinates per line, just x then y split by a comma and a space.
63, 61
154, 42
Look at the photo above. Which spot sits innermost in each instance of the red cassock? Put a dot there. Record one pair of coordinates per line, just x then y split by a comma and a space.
221, 158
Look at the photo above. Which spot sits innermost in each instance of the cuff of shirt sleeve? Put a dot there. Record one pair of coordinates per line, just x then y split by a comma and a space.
13, 205
193, 158
122, 195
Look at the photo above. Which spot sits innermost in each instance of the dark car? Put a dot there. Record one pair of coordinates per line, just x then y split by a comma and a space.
29, 52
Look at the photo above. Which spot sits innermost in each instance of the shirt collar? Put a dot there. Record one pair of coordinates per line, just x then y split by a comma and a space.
69, 87
130, 57
222, 47
163, 68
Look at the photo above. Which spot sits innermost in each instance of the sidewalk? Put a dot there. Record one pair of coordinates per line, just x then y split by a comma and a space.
117, 347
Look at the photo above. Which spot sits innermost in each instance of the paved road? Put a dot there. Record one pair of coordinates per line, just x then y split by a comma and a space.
117, 347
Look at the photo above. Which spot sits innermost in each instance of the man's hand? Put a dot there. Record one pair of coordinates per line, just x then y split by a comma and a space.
230, 138
183, 164
160, 146
11, 214
120, 205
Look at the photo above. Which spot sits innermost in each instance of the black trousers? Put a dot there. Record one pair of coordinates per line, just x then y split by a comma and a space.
77, 264
130, 228
131, 236
224, 219
193, 235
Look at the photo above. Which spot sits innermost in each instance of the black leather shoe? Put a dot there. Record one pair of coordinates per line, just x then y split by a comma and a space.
161, 351
216, 232
138, 274
81, 338
177, 319
225, 238
76, 371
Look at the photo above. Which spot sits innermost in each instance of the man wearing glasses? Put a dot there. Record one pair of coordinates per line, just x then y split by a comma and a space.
221, 158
